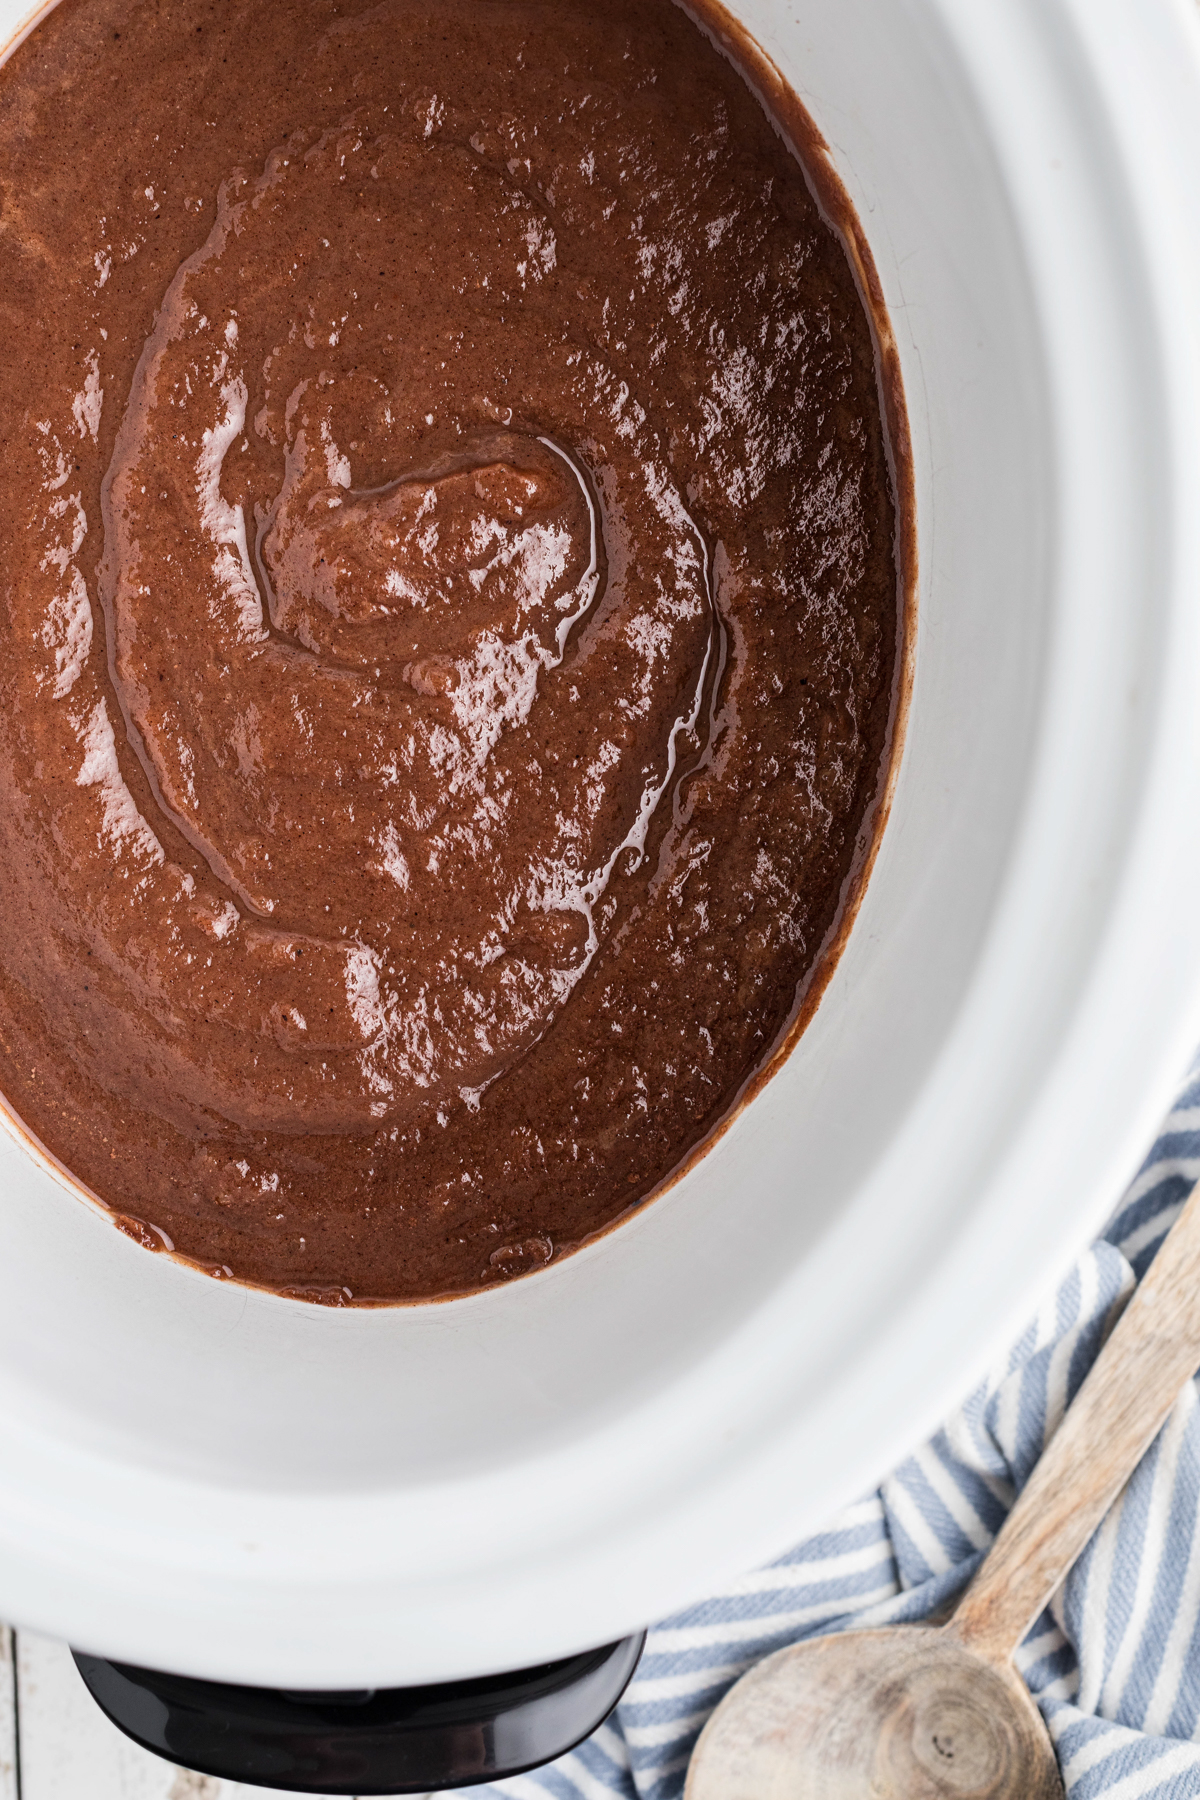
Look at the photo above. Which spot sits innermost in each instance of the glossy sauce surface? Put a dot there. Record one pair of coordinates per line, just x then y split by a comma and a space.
452, 617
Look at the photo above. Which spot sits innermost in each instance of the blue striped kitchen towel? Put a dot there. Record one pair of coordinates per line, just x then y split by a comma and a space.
1115, 1660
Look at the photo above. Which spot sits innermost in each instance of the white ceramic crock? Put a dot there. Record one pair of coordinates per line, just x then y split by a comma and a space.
203, 1478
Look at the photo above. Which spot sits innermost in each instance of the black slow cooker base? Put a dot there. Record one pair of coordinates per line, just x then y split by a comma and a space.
379, 1741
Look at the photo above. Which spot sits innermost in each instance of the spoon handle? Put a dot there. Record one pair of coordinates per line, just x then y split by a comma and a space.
1133, 1384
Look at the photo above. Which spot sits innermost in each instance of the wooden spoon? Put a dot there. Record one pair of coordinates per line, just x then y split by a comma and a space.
940, 1713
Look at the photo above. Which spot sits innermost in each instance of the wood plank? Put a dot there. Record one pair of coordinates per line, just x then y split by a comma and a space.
70, 1751
8, 1718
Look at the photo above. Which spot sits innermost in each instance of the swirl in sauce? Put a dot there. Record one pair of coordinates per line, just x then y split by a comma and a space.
436, 788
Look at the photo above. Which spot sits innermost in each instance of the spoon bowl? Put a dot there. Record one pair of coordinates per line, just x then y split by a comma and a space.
907, 1711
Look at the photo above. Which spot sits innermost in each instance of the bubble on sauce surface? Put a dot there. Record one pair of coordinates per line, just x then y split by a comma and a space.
520, 1258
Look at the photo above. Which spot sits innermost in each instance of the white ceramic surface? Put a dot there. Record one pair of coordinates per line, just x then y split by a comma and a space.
208, 1479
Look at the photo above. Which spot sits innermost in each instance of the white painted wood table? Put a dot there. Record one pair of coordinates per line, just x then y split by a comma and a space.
56, 1744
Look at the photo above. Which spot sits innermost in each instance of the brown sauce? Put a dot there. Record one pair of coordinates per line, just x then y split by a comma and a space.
452, 604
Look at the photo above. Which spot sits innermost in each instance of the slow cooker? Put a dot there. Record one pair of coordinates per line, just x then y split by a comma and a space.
210, 1480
